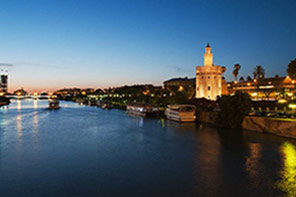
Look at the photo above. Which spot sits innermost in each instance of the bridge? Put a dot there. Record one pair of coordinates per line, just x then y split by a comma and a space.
27, 96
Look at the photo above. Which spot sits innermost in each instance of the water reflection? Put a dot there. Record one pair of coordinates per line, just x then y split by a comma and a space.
35, 104
288, 173
254, 166
19, 105
19, 125
208, 162
35, 122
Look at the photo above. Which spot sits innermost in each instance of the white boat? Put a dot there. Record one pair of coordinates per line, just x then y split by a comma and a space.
53, 104
141, 110
181, 113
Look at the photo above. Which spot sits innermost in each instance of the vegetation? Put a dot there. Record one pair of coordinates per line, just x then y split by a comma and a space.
259, 72
235, 71
291, 70
145, 94
233, 109
249, 78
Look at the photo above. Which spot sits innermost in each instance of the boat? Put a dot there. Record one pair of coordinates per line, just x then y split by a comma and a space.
181, 113
105, 104
142, 110
54, 104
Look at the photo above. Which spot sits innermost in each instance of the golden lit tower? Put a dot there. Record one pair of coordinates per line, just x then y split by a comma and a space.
208, 56
208, 78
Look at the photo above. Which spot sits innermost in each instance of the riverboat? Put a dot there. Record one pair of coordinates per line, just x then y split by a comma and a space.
181, 113
142, 110
54, 104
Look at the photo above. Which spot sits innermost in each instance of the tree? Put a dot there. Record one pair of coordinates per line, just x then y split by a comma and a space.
249, 78
291, 70
233, 109
259, 72
235, 71
241, 79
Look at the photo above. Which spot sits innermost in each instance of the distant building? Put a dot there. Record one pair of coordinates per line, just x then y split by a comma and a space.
184, 82
273, 88
208, 78
3, 83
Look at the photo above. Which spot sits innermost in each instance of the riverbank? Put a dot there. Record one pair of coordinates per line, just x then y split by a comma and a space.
4, 101
276, 126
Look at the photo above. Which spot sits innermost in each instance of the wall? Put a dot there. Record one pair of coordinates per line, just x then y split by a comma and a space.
279, 127
270, 125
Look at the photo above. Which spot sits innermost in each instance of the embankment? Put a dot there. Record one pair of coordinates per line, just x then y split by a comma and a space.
281, 127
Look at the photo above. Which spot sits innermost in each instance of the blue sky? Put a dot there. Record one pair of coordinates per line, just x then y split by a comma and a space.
55, 44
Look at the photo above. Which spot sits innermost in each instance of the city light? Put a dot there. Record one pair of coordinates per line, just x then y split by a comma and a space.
282, 101
254, 94
292, 106
290, 94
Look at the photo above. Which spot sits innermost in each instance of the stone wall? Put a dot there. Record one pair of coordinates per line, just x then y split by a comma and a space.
280, 127
275, 126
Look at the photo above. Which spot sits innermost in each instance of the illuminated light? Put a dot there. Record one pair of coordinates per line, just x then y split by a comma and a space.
235, 82
1, 93
293, 81
83, 93
35, 94
254, 94
292, 106
269, 82
146, 92
18, 93
288, 77
282, 101
181, 88
290, 94
228, 85
50, 93
255, 80
248, 84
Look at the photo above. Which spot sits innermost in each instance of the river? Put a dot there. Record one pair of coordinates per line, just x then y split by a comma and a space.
86, 151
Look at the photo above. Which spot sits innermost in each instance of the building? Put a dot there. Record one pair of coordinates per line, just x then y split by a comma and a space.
184, 82
272, 88
209, 78
3, 83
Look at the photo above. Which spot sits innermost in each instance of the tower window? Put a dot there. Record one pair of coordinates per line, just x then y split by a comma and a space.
209, 88
197, 89
208, 77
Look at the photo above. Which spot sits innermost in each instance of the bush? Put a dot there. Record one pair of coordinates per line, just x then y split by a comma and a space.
233, 109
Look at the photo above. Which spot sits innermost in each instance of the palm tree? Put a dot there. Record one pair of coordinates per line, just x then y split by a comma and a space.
249, 78
235, 71
258, 72
291, 70
241, 79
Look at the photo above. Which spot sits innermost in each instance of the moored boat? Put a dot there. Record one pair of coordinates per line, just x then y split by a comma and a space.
53, 104
181, 113
141, 110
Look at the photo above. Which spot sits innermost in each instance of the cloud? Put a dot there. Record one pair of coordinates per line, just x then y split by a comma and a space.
32, 64
181, 69
5, 65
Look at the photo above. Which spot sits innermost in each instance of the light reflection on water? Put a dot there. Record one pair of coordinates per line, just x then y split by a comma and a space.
288, 173
110, 153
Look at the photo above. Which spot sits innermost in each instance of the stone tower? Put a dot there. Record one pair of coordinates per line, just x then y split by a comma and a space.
208, 78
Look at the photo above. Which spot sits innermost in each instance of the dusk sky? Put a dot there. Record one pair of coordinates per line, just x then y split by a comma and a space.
63, 43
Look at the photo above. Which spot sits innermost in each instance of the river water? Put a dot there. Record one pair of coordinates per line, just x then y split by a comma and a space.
86, 151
